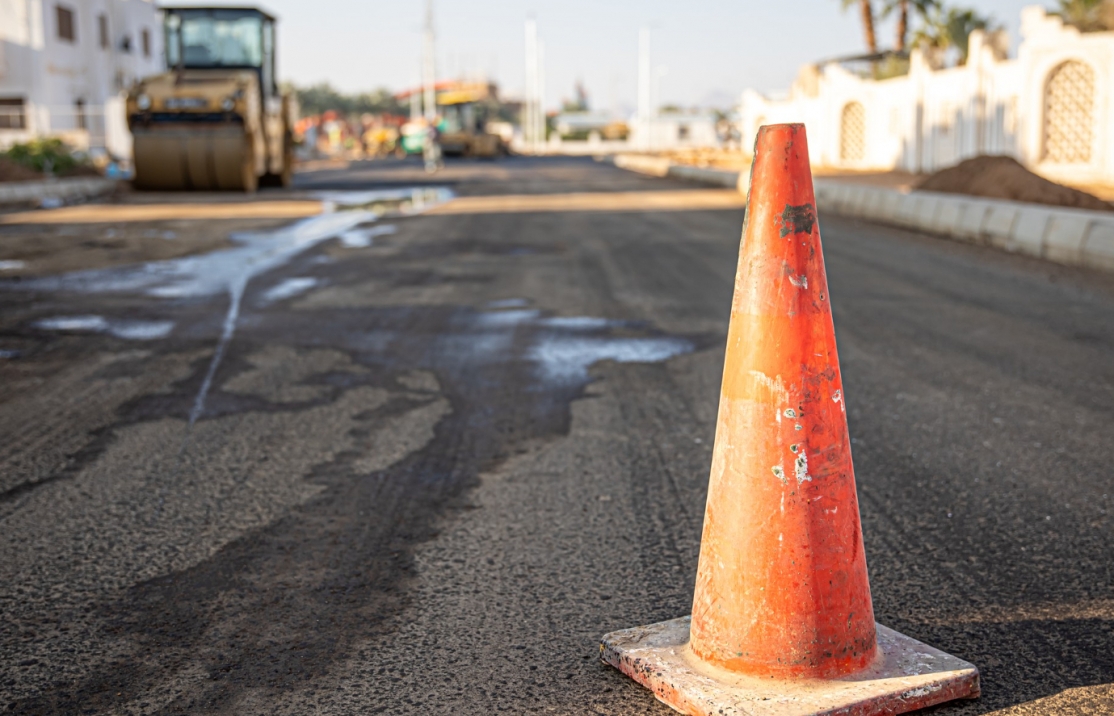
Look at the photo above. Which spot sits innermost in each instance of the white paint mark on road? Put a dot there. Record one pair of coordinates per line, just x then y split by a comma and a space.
402, 201
288, 288
363, 237
12, 265
509, 303
576, 323
565, 359
230, 270
141, 330
228, 328
73, 323
130, 330
503, 319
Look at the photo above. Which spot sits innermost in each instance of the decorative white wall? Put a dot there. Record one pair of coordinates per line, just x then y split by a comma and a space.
51, 74
1052, 107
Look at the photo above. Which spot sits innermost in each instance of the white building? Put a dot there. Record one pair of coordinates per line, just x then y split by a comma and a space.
1052, 107
64, 65
674, 130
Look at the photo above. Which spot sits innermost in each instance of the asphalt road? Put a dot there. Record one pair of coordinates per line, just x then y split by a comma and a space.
436, 459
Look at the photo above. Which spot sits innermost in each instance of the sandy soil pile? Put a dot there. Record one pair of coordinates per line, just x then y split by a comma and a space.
1006, 178
13, 171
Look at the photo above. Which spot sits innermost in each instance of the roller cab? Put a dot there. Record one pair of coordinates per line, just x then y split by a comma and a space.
216, 119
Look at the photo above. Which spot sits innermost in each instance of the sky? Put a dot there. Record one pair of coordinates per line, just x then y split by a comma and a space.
706, 52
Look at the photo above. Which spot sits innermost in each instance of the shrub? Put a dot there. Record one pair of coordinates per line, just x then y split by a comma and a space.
49, 156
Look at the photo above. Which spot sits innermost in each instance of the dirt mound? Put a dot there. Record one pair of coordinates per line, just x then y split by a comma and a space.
14, 171
1005, 178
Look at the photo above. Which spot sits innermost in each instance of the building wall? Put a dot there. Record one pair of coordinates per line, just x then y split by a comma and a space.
671, 131
52, 74
932, 118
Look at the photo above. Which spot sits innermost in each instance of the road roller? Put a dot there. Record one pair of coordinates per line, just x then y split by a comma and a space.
465, 109
215, 120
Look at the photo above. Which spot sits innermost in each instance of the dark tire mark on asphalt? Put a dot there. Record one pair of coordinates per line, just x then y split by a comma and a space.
335, 571
976, 389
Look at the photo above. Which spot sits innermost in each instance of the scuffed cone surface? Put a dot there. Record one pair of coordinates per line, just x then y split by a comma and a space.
782, 586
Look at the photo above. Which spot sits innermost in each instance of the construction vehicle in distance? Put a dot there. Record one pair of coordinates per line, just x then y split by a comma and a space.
464, 112
216, 118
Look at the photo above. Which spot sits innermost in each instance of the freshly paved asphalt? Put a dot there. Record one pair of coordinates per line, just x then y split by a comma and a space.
411, 490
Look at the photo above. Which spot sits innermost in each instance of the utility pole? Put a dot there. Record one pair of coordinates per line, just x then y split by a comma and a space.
533, 107
429, 74
529, 124
541, 94
416, 99
534, 115
645, 81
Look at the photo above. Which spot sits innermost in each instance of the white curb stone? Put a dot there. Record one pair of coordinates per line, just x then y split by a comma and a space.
1075, 237
998, 225
1028, 231
28, 192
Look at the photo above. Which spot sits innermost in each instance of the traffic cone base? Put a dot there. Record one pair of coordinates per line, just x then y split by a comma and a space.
905, 676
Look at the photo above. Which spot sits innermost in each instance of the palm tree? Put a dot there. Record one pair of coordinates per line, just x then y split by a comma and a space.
922, 8
951, 28
961, 23
1087, 15
867, 12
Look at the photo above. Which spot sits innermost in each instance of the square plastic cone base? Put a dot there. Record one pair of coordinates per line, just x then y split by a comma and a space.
907, 675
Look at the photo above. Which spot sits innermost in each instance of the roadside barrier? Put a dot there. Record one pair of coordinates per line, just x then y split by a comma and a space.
1076, 237
782, 619
54, 190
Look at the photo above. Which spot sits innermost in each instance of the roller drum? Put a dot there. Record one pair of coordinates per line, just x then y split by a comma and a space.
188, 159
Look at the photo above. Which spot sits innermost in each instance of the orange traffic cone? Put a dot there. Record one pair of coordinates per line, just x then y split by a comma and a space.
782, 621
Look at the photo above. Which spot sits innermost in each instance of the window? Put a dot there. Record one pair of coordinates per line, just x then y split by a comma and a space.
146, 39
79, 114
102, 28
852, 133
214, 38
11, 113
1069, 114
65, 23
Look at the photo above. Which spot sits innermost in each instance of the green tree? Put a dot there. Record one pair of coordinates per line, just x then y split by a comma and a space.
866, 12
921, 7
1088, 15
945, 28
322, 97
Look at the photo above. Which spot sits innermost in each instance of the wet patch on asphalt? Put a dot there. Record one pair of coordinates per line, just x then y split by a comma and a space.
466, 390
461, 390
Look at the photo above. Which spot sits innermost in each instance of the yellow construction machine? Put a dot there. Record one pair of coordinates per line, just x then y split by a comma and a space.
216, 119
465, 110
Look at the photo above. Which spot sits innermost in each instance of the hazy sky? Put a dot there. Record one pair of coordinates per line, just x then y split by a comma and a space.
708, 48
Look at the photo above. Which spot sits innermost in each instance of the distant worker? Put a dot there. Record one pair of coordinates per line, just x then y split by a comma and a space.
431, 148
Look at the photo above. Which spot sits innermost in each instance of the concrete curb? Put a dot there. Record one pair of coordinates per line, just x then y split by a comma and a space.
654, 166
719, 177
1075, 237
661, 167
34, 192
